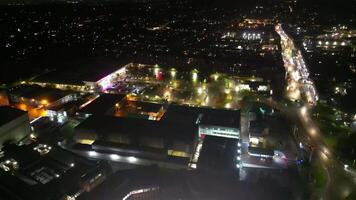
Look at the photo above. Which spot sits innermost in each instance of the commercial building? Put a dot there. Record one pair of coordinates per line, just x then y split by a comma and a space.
40, 171
103, 104
41, 101
14, 124
98, 75
172, 138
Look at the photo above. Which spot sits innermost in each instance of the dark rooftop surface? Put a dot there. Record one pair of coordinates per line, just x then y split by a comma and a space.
146, 106
8, 114
84, 70
188, 114
104, 124
221, 117
39, 93
27, 181
218, 154
102, 104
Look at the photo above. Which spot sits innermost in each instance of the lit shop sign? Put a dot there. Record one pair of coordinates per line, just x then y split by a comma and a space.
219, 131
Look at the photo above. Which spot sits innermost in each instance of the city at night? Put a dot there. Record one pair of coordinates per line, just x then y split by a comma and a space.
178, 100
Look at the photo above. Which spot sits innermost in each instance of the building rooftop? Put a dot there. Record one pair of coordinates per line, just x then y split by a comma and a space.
77, 72
203, 115
42, 176
7, 114
102, 104
39, 93
221, 117
105, 125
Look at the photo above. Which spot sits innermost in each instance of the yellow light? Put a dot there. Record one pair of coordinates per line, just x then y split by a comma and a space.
195, 76
216, 76
86, 141
178, 153
173, 73
227, 90
167, 94
312, 131
44, 102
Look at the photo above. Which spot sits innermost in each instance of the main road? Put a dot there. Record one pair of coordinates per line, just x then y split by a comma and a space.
341, 180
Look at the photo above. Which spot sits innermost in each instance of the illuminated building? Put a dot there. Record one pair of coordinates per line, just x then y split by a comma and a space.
175, 135
90, 80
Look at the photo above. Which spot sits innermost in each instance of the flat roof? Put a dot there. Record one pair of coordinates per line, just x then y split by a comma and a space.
34, 168
218, 153
221, 117
76, 72
135, 127
146, 106
7, 114
209, 116
39, 93
102, 104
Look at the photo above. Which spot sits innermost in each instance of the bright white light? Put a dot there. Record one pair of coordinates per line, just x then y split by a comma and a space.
114, 156
72, 164
238, 158
303, 110
228, 105
238, 165
200, 90
346, 166
300, 145
132, 159
93, 153
195, 76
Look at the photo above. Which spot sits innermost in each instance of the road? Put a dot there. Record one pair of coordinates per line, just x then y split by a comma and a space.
299, 85
341, 181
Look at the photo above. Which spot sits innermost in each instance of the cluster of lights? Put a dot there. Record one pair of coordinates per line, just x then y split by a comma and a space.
9, 164
42, 148
238, 157
329, 43
251, 36
297, 70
